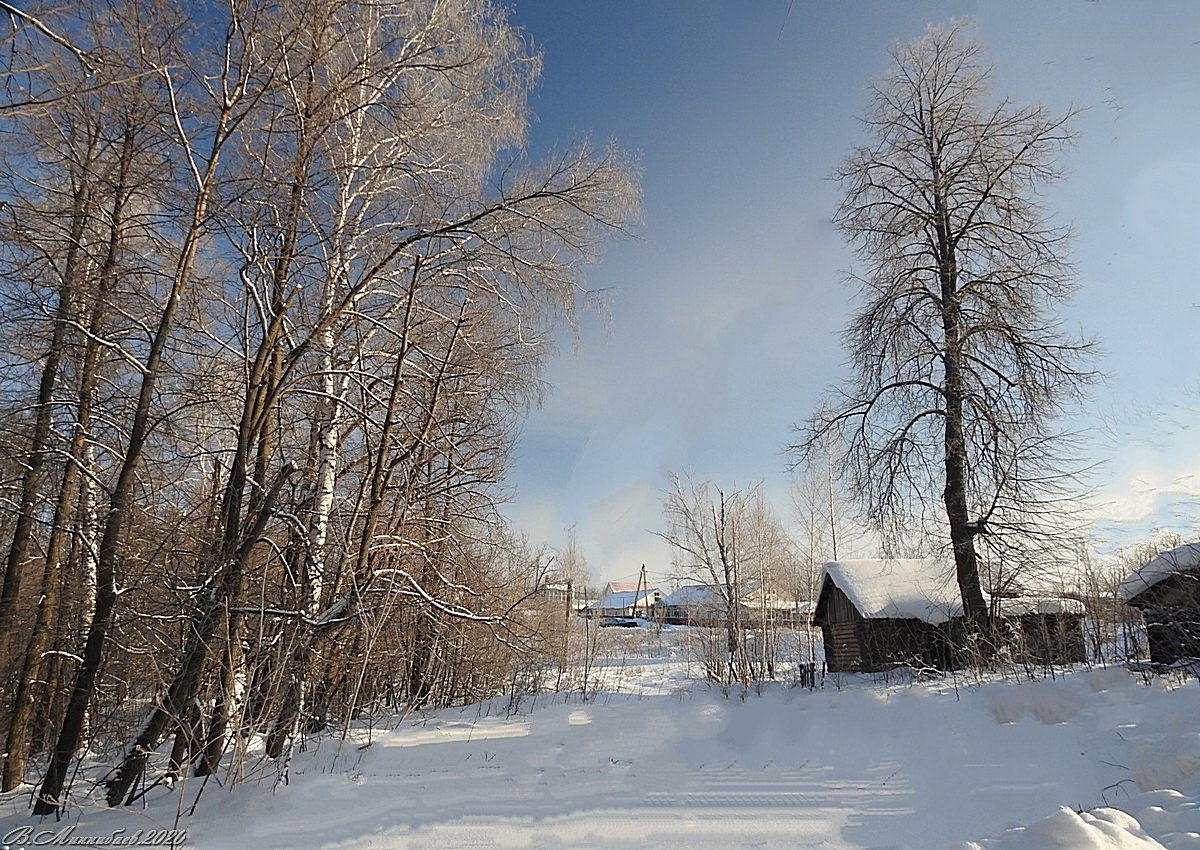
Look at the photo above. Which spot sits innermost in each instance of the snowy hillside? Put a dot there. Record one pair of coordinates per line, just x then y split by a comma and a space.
657, 758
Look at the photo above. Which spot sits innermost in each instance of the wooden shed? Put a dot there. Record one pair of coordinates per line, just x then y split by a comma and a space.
1042, 630
878, 614
1166, 589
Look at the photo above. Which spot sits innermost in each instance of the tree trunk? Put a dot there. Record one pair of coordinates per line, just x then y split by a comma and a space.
182, 690
18, 551
226, 702
962, 533
39, 639
49, 798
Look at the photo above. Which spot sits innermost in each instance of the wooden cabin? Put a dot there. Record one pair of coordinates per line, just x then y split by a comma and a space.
878, 614
1166, 589
1042, 630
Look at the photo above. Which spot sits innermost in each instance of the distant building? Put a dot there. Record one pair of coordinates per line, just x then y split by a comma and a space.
1166, 589
623, 587
624, 603
561, 593
877, 614
705, 605
692, 605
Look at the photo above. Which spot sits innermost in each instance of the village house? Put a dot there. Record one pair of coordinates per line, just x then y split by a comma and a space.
624, 599
562, 593
705, 605
1166, 589
692, 605
876, 614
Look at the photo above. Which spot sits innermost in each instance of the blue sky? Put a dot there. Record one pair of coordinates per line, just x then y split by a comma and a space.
725, 312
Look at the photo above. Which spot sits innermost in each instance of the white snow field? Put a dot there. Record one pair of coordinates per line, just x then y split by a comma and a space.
1101, 758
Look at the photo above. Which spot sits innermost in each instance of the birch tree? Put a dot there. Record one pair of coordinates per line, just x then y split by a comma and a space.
442, 288
276, 309
825, 531
961, 366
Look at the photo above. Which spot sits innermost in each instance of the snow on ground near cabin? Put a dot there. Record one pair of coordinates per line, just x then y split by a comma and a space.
660, 759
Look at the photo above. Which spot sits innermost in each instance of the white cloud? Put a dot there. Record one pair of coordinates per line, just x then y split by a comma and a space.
1154, 481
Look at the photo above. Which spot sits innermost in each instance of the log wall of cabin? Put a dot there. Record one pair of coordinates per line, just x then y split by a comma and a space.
1047, 638
856, 644
1171, 609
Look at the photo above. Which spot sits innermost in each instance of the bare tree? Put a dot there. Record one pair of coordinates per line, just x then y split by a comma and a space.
363, 179
28, 45
769, 556
961, 367
732, 542
85, 192
273, 312
571, 566
827, 529
91, 302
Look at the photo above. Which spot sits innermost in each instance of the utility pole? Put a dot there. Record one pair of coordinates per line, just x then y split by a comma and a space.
641, 585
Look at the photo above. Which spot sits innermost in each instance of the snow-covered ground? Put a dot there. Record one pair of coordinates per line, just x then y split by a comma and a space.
657, 758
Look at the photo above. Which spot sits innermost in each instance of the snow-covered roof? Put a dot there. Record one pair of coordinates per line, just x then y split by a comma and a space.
921, 589
622, 586
804, 606
1181, 559
712, 594
899, 588
694, 594
624, 599
1038, 605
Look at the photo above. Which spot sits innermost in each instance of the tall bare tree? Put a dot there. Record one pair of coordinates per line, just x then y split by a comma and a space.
822, 510
961, 366
367, 179
273, 311
227, 96
106, 265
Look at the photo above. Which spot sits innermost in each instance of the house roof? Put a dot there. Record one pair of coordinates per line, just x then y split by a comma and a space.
626, 587
897, 588
694, 594
921, 589
1181, 559
1038, 605
624, 599
803, 606
711, 596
